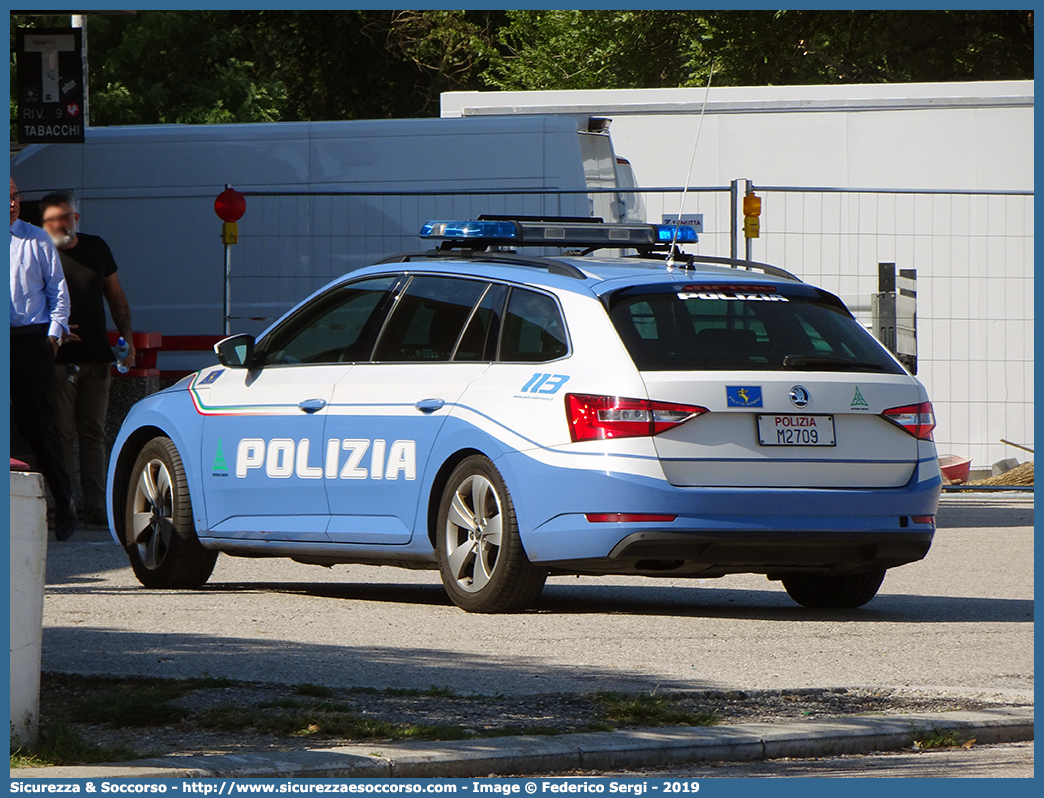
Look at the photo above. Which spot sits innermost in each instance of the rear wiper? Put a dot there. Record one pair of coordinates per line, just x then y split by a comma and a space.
827, 363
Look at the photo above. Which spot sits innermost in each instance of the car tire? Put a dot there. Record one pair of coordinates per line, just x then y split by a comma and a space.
483, 565
161, 538
833, 592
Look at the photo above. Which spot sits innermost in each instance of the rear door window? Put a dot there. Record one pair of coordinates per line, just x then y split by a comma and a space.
479, 341
700, 328
533, 329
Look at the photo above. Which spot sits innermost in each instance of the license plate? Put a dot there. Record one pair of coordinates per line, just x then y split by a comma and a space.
781, 430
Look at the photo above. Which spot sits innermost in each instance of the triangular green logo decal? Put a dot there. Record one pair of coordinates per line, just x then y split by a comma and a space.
858, 400
219, 459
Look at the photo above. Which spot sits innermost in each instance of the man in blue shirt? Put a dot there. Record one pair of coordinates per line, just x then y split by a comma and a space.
39, 323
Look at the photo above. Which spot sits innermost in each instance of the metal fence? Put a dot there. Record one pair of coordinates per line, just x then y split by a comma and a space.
973, 254
972, 251
295, 242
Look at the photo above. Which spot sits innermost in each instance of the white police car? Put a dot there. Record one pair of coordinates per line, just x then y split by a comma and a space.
506, 416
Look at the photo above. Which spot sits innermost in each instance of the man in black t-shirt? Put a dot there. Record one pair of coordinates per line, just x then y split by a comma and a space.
83, 364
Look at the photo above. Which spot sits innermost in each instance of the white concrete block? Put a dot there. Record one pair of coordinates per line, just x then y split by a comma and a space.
28, 558
1004, 466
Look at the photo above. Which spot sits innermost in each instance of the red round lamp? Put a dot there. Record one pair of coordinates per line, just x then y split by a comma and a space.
230, 205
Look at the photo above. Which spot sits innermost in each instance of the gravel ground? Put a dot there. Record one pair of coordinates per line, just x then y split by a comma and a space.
71, 698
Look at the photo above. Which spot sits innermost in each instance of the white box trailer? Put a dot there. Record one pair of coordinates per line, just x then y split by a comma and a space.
323, 198
960, 135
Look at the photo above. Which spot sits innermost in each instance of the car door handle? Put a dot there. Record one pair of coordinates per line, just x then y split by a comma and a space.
429, 405
311, 405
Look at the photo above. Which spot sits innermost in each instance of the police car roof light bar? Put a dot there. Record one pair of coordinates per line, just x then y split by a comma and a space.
592, 235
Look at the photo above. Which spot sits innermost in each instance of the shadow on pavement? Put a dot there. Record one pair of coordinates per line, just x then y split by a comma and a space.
772, 604
168, 654
972, 513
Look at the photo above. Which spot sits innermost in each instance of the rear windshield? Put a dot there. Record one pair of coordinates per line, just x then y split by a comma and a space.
696, 328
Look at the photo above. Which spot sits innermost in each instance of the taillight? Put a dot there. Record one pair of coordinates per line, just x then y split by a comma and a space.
602, 417
918, 420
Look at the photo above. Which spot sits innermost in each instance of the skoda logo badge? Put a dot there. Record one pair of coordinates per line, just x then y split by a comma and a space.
799, 396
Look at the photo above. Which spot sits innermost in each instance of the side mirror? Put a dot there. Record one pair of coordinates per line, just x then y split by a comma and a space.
235, 352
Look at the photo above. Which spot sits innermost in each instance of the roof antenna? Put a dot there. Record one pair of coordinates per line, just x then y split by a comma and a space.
692, 160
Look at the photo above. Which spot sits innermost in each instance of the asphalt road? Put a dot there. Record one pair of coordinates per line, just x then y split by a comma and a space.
960, 620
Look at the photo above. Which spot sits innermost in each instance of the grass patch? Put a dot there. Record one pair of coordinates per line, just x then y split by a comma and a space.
430, 692
307, 709
331, 706
133, 705
331, 720
281, 703
411, 692
432, 732
937, 739
333, 724
60, 744
314, 690
649, 710
201, 682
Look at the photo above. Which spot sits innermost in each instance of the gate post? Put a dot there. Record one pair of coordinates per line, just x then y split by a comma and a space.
894, 308
734, 216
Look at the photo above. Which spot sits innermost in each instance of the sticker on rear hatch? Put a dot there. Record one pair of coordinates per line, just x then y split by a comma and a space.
743, 395
858, 402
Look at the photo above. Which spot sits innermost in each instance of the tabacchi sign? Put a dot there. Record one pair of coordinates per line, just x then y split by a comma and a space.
50, 85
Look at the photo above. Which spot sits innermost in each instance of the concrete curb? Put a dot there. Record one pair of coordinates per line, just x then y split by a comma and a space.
631, 748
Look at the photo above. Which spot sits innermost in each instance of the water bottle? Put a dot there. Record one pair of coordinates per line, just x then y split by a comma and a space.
121, 350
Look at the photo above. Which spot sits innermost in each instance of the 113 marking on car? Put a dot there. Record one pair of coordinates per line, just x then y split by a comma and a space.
544, 383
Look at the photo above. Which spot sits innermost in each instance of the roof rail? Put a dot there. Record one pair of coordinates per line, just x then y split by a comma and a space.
736, 263
550, 265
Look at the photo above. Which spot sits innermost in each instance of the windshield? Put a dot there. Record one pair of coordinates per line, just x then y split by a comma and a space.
706, 328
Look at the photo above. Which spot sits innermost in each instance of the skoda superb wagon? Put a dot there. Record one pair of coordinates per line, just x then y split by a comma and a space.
505, 415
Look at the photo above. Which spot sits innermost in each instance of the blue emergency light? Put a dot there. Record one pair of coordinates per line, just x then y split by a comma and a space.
479, 229
681, 233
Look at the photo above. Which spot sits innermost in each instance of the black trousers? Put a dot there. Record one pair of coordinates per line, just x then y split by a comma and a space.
33, 414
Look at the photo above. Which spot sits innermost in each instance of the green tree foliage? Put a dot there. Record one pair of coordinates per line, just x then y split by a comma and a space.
330, 66
259, 66
800, 47
246, 66
593, 50
449, 47
369, 64
647, 49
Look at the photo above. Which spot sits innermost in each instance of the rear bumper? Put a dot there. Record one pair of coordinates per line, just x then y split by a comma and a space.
718, 531
705, 554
